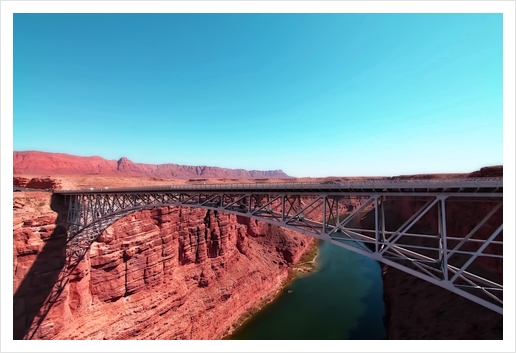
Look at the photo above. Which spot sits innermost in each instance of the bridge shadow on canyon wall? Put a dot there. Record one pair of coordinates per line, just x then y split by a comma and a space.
42, 286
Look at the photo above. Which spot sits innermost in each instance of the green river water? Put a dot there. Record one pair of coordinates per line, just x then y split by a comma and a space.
342, 300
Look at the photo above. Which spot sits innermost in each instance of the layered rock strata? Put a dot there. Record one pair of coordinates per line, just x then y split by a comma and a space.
165, 273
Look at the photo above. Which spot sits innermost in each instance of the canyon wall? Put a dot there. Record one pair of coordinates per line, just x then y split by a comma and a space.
165, 273
44, 163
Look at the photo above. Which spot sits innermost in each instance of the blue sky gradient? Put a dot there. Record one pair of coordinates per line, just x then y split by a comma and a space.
311, 94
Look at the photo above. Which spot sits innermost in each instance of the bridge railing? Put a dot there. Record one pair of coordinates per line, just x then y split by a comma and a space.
337, 185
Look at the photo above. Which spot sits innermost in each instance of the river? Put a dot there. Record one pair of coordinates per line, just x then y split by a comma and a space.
341, 300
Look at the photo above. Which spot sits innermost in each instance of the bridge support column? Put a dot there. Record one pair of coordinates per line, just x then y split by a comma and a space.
283, 208
376, 225
325, 221
382, 209
443, 245
337, 211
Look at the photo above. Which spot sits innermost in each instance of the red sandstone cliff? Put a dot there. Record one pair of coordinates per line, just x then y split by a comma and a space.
166, 273
44, 163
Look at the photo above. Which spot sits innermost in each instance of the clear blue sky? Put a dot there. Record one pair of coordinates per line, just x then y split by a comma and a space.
311, 94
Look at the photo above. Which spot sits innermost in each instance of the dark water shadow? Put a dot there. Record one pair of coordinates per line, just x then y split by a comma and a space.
367, 326
34, 296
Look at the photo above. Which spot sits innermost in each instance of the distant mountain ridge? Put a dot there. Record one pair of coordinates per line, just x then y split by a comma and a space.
46, 163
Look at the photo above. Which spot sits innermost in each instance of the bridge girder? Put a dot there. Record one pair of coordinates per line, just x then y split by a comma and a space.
451, 261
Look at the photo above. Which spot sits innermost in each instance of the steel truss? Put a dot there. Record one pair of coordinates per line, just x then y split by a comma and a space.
422, 243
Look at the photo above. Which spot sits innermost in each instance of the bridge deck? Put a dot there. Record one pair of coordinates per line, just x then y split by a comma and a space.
494, 185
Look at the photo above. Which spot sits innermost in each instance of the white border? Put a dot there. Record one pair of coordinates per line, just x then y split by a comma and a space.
10, 7
257, 6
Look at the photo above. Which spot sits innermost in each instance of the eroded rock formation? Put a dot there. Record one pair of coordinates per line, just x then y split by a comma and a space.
165, 273
36, 183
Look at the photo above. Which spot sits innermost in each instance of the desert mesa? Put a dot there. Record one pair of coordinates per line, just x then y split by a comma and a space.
41, 163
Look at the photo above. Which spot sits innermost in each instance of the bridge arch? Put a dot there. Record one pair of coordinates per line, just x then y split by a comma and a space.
96, 227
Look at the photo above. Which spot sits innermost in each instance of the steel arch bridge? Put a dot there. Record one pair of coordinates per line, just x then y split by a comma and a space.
420, 242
